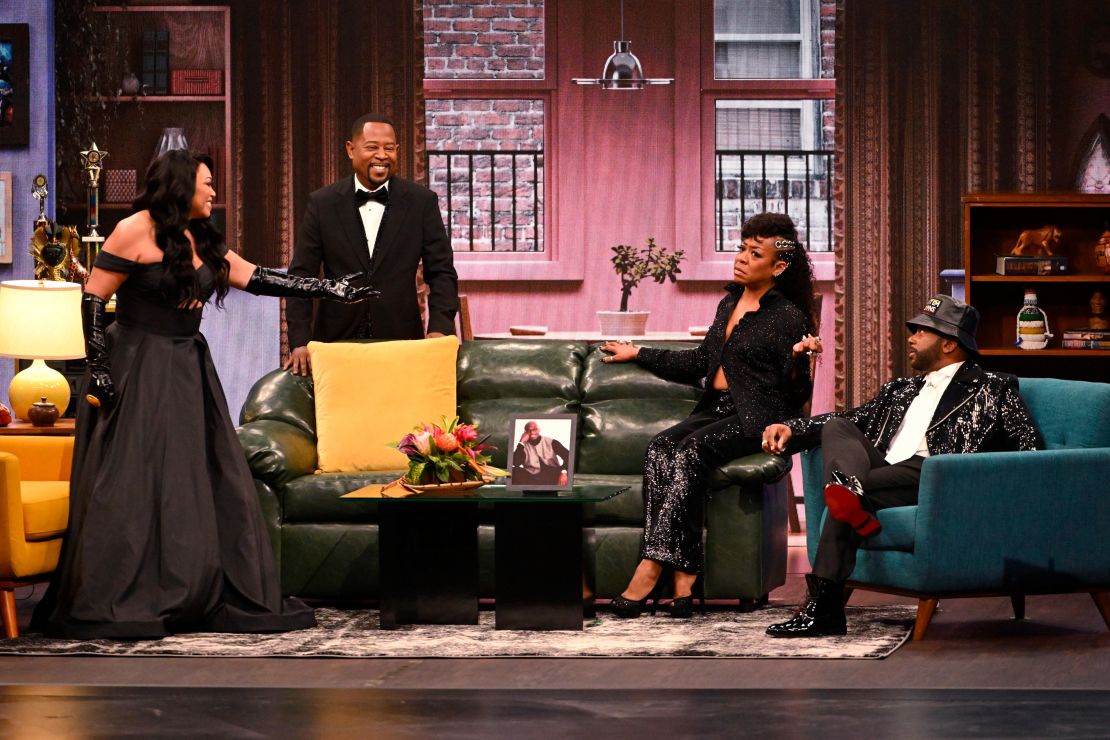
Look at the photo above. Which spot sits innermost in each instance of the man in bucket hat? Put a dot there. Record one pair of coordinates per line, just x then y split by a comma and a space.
873, 454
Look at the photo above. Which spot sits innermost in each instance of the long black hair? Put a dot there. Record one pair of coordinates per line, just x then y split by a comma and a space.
796, 281
168, 195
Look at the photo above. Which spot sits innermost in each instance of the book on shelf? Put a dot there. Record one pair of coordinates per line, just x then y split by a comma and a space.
1084, 332
1056, 264
1084, 343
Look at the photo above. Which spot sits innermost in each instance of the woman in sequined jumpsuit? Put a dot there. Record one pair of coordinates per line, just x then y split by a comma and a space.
753, 362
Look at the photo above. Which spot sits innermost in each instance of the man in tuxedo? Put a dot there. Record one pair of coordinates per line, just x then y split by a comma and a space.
378, 224
873, 454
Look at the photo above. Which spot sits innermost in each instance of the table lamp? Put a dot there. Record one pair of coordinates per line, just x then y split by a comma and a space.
40, 320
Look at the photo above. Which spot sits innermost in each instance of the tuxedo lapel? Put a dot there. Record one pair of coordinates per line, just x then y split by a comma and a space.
346, 214
391, 222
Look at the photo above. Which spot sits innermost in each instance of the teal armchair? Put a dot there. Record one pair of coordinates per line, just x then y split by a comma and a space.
998, 523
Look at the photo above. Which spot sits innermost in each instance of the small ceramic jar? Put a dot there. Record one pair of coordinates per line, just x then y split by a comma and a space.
43, 413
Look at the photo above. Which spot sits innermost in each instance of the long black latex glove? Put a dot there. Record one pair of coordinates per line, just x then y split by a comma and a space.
265, 281
94, 320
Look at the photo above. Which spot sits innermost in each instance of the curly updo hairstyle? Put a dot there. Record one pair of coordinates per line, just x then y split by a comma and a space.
168, 195
796, 281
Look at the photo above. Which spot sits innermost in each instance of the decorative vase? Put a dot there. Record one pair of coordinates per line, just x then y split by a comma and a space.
1032, 324
616, 324
172, 138
42, 413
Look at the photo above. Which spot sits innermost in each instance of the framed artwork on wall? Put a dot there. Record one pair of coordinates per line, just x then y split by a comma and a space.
7, 242
15, 100
542, 458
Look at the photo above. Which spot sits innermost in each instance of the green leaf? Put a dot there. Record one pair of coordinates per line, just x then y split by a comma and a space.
416, 470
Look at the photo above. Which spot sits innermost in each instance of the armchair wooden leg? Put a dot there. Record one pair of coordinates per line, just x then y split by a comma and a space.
7, 609
1102, 601
1018, 602
925, 610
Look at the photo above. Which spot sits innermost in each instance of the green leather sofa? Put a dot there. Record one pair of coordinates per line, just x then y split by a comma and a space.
327, 548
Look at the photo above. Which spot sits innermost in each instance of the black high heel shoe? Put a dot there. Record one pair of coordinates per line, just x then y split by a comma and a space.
629, 609
683, 606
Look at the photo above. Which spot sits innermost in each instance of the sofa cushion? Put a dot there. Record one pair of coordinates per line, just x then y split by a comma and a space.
505, 369
1087, 422
368, 396
497, 379
45, 508
623, 407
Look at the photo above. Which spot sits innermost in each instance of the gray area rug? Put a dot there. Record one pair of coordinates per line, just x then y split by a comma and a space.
873, 632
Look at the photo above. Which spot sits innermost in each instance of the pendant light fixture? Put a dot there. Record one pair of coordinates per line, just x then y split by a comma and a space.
622, 69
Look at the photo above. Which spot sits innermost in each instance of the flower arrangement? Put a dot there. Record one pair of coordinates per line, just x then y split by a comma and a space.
448, 453
633, 265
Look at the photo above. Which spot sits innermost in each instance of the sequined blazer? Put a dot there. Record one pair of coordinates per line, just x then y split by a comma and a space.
766, 382
980, 411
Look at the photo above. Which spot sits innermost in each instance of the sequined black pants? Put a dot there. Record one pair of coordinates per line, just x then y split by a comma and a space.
676, 467
845, 448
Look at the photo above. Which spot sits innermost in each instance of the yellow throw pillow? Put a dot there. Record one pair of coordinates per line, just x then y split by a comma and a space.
368, 396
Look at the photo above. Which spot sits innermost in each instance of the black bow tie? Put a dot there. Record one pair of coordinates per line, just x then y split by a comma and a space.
381, 195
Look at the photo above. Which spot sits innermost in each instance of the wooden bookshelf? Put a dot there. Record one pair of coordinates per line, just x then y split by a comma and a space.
992, 223
199, 38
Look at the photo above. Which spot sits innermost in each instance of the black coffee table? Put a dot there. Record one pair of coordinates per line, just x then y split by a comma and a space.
428, 556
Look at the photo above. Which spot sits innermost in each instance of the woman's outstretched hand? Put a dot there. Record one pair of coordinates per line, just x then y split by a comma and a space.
809, 345
620, 351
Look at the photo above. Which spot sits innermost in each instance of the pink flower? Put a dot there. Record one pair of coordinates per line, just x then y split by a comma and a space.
422, 442
465, 433
446, 442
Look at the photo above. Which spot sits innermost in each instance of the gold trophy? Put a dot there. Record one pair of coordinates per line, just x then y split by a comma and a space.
91, 160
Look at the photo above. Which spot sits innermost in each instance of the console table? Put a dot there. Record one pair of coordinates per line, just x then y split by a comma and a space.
596, 336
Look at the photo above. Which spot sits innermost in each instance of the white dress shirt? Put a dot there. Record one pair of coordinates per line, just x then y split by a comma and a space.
910, 439
371, 213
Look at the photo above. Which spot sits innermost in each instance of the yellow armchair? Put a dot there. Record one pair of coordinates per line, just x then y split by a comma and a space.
34, 510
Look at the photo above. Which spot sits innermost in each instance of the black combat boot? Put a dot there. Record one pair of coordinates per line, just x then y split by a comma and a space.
822, 614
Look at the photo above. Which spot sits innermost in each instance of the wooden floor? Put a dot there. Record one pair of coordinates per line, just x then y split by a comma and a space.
976, 658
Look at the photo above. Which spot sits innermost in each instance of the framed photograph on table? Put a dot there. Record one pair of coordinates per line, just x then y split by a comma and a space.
7, 241
15, 94
541, 456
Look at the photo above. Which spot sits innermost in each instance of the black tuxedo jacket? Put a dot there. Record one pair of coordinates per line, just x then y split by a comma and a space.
332, 237
980, 411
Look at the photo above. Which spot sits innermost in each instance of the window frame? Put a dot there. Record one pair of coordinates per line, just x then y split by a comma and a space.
705, 263
552, 263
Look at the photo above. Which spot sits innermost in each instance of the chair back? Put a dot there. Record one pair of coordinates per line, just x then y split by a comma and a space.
44, 458
1069, 413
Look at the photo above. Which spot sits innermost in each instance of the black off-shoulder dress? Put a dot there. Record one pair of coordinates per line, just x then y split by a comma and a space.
165, 530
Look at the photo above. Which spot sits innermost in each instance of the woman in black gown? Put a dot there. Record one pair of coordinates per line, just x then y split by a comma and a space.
754, 366
165, 529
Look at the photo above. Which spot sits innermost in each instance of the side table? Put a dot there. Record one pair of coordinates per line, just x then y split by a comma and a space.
61, 428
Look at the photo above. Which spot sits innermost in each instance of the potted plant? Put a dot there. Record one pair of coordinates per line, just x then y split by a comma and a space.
633, 265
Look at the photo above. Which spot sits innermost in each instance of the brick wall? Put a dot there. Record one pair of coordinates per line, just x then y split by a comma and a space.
484, 199
483, 39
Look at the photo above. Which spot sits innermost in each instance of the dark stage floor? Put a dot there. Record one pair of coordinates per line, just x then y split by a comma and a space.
978, 673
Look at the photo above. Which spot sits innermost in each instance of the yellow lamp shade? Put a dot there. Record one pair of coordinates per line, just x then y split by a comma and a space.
40, 320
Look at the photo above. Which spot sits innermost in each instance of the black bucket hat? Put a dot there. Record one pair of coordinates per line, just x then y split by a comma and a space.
950, 318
